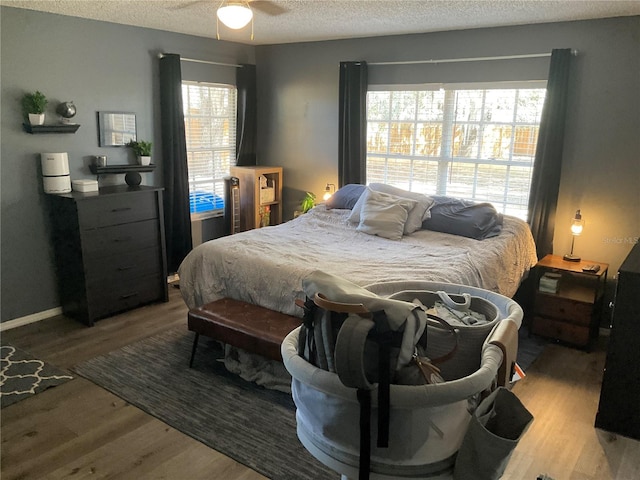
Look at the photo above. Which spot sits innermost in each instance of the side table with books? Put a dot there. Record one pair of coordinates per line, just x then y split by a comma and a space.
568, 300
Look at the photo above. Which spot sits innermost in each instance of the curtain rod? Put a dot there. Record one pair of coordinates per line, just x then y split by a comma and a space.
193, 60
471, 59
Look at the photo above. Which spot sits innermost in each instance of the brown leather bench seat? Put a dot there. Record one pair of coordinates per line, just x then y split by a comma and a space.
249, 327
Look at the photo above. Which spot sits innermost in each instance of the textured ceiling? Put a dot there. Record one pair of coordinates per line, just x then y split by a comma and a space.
288, 21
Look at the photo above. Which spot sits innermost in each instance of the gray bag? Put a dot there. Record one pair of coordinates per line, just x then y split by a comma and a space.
494, 431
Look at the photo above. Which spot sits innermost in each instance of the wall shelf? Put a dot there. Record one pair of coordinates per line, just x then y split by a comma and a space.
113, 169
58, 128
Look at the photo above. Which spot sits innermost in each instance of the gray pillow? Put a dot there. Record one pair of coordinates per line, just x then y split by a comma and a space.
346, 196
464, 218
383, 214
416, 216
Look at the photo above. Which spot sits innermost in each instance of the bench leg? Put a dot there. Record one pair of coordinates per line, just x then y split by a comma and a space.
193, 349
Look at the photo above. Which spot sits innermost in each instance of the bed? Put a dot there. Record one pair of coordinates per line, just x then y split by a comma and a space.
266, 266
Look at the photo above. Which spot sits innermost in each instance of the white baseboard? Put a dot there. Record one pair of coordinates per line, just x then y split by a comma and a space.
34, 317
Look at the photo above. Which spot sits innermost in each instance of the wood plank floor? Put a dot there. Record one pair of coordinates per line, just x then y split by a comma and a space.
78, 430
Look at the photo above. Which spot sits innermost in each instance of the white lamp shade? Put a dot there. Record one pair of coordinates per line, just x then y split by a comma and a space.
235, 15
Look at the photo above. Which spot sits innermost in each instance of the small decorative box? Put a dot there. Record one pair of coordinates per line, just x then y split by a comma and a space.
85, 185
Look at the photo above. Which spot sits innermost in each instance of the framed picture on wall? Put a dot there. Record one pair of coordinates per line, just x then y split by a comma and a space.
116, 129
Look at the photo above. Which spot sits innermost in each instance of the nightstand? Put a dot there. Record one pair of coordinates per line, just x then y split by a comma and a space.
572, 313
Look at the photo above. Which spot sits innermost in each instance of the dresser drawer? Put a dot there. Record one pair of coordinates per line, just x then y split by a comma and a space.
109, 299
106, 270
116, 210
565, 309
567, 332
106, 241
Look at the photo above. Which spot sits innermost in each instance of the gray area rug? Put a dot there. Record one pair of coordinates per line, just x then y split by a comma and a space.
22, 375
242, 420
246, 422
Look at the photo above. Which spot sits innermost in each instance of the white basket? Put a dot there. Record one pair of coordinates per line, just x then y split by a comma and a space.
267, 195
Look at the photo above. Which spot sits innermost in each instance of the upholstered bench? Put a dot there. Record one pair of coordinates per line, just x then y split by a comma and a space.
243, 325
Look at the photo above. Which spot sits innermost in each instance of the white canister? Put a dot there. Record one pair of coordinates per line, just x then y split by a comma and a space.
55, 172
61, 184
54, 164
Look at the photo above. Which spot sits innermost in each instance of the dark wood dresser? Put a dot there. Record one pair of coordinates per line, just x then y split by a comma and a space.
619, 408
110, 250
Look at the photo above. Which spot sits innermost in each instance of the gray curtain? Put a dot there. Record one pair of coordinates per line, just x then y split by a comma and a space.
246, 130
545, 182
352, 139
177, 217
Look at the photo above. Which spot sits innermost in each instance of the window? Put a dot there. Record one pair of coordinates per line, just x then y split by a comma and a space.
210, 129
475, 144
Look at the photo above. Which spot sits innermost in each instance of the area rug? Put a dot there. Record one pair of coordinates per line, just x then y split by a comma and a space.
22, 375
240, 419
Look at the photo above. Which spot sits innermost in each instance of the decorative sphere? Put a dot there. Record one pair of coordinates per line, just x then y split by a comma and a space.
133, 178
66, 109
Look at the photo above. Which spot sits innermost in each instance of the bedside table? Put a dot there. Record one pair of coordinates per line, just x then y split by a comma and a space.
571, 314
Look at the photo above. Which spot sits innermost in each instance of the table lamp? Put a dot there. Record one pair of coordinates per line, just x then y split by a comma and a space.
577, 224
328, 191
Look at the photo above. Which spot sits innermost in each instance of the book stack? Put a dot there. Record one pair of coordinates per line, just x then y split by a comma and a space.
549, 282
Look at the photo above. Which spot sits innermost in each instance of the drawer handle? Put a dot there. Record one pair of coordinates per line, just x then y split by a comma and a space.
122, 269
122, 239
123, 209
128, 295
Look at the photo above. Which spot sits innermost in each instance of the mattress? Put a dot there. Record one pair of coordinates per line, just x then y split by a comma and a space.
266, 266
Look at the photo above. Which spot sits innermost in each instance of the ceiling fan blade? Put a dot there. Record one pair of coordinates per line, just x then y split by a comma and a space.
184, 5
268, 7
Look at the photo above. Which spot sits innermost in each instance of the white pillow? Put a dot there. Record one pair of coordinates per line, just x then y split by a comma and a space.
383, 214
420, 211
416, 216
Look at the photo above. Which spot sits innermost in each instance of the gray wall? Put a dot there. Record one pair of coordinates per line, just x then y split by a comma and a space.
298, 112
100, 66
103, 66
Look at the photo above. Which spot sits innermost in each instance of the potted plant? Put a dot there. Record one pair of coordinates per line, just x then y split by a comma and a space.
308, 202
33, 106
142, 150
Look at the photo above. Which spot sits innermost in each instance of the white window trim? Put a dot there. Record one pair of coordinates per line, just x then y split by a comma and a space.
446, 162
198, 216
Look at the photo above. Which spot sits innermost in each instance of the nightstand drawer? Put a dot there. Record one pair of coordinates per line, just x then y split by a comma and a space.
564, 309
567, 332
102, 212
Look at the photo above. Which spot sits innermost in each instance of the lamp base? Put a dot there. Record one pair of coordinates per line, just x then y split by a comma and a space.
570, 257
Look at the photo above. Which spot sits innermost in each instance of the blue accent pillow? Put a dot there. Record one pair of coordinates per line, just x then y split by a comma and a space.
346, 197
464, 218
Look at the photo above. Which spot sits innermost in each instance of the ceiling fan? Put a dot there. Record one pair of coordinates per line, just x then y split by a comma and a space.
237, 14
267, 7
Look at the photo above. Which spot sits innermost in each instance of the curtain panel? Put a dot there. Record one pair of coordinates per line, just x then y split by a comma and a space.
352, 141
545, 182
246, 130
177, 217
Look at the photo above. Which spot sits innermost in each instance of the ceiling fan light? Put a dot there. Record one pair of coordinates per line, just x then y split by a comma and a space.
235, 15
